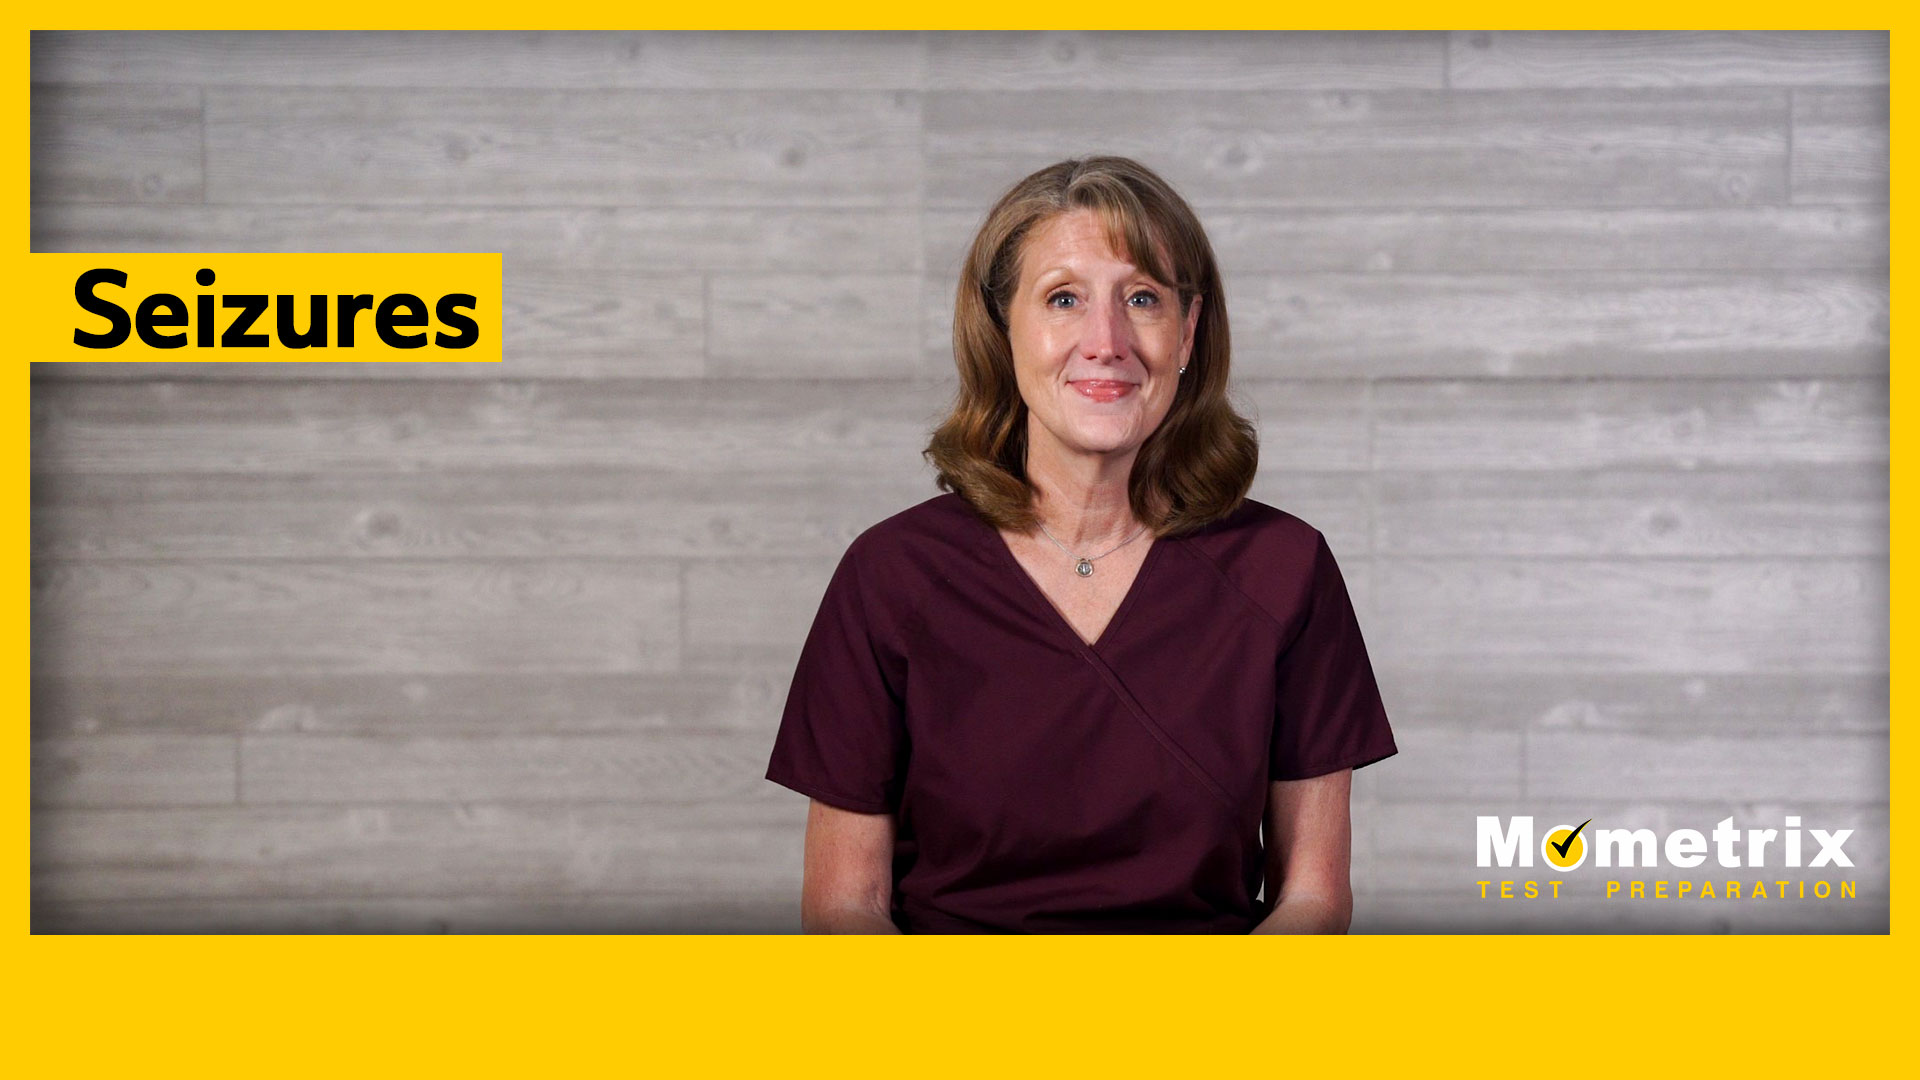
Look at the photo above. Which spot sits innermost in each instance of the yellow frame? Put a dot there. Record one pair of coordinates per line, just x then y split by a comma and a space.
291, 1005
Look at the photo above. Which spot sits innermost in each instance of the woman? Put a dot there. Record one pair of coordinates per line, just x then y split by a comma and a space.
1067, 695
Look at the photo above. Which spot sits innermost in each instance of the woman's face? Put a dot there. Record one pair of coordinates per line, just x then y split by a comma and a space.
1097, 343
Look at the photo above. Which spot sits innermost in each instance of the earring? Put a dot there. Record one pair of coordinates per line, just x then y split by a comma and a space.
1183, 369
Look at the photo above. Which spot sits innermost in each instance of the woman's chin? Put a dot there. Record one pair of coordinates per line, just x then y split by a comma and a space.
1105, 443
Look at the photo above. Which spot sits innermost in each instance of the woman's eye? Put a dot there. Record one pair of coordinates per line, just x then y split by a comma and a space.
1141, 299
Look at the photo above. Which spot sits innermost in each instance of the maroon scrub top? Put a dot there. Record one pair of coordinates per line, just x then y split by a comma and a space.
1045, 785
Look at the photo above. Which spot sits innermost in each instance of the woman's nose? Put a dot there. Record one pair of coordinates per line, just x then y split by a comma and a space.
1107, 332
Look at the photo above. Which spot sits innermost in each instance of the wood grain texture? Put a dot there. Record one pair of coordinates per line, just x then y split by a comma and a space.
751, 612
241, 616
1687, 147
1804, 510
1840, 141
117, 144
140, 769
669, 426
410, 704
1666, 58
1192, 60
1666, 324
1308, 424
1574, 346
1726, 704
530, 512
1654, 615
1628, 423
783, 326
688, 766
630, 239
716, 847
588, 322
694, 148
1794, 769
544, 60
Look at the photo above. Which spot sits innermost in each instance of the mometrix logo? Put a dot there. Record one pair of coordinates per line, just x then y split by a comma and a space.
1564, 847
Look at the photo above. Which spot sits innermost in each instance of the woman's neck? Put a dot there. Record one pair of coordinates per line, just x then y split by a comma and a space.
1082, 499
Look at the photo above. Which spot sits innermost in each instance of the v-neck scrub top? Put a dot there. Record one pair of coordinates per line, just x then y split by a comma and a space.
1042, 784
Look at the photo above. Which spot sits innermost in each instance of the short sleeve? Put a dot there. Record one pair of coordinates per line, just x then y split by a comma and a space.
1328, 712
842, 736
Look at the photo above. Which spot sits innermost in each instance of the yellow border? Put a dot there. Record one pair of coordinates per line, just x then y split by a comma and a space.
945, 1006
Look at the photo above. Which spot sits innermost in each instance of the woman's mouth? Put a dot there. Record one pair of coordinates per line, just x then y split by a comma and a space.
1103, 389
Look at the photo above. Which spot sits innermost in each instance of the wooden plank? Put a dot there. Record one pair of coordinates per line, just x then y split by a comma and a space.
523, 767
587, 322
1482, 60
1306, 425
1791, 510
133, 770
687, 148
1840, 145
783, 326
684, 241
1727, 704
1460, 731
1468, 240
505, 767
1745, 767
560, 512
1399, 148
794, 430
124, 144
663, 60
1593, 615
718, 847
1576, 323
1200, 60
772, 909
1629, 423
753, 612
141, 617
384, 704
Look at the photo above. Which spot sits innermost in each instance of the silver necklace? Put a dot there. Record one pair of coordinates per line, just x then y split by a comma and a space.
1084, 564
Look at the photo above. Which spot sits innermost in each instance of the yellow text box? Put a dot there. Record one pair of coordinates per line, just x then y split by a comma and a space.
230, 306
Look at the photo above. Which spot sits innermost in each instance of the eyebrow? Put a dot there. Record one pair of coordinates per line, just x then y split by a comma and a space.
1138, 271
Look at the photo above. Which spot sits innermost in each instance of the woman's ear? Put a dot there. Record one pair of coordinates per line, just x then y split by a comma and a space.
1193, 326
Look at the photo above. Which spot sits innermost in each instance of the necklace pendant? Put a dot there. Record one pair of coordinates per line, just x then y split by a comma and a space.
1084, 568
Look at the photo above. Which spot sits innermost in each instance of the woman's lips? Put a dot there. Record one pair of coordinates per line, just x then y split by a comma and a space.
1102, 389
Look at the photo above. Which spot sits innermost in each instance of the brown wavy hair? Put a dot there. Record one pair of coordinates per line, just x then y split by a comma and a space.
1197, 466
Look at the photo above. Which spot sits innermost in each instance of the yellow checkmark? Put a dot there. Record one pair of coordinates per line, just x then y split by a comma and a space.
1565, 846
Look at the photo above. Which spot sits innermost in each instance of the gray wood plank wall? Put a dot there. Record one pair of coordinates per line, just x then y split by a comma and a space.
1575, 345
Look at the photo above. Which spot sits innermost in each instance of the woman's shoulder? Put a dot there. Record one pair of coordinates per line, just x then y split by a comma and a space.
919, 535
1259, 531
1269, 554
